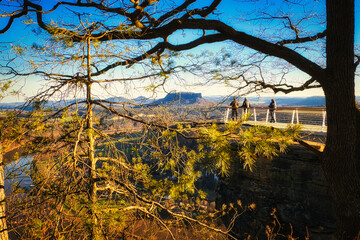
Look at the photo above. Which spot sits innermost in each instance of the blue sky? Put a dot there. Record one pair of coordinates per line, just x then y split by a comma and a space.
230, 13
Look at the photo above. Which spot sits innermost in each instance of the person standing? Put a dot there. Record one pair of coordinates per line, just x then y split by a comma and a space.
246, 105
234, 106
272, 107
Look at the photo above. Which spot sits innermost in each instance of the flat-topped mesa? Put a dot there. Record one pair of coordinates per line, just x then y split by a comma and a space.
184, 98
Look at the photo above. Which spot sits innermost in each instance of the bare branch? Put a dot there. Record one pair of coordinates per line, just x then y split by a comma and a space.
303, 39
13, 16
182, 216
285, 88
357, 61
114, 111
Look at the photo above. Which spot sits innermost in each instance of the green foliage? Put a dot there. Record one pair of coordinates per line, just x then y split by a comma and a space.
36, 227
172, 167
12, 130
4, 86
5, 89
219, 148
215, 149
28, 21
18, 49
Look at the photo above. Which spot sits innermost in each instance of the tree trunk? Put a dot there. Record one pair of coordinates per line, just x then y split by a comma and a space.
3, 226
341, 159
91, 148
92, 164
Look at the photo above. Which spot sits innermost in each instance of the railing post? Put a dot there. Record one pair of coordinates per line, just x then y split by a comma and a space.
323, 121
255, 114
267, 115
274, 116
297, 116
226, 116
292, 118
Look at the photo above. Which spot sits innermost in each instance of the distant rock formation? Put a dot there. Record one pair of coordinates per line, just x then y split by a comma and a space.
184, 98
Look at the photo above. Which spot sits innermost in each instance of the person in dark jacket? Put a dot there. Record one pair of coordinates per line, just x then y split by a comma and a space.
234, 106
245, 105
272, 107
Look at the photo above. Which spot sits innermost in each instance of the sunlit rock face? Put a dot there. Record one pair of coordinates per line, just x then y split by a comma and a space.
293, 184
182, 97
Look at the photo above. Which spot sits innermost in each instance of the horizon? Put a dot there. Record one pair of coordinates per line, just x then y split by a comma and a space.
357, 98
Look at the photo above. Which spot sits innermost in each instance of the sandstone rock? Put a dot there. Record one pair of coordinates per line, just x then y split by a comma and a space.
293, 184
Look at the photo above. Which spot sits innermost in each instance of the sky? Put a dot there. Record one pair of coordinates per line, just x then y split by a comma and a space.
229, 12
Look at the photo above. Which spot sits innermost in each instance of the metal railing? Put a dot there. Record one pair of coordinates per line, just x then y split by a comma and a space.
292, 115
313, 119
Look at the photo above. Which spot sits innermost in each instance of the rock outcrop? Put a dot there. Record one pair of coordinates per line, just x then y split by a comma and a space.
293, 184
184, 98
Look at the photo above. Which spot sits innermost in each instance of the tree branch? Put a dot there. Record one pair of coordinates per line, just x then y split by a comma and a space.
303, 39
229, 33
15, 14
280, 87
357, 62
112, 110
132, 191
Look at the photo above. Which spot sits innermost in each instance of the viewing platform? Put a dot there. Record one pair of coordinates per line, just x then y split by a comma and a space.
312, 119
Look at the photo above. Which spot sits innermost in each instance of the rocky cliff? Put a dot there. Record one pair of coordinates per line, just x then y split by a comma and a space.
186, 98
293, 184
